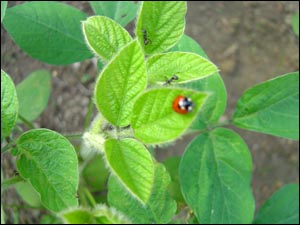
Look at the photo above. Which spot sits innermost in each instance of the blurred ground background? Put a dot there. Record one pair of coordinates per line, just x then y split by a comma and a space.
250, 42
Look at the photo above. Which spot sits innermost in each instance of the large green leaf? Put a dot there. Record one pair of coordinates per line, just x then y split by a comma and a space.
186, 66
33, 94
104, 36
48, 31
160, 25
215, 173
160, 207
49, 162
119, 84
271, 107
215, 105
155, 121
9, 105
122, 12
131, 162
281, 208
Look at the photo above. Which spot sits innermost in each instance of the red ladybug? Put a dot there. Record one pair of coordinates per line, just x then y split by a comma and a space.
182, 104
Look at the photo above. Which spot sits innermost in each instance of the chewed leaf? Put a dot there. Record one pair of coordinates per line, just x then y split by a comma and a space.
185, 65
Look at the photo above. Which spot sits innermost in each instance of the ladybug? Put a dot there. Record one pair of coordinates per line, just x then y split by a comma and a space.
182, 104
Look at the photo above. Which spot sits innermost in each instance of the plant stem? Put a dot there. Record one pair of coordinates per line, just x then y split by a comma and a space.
89, 114
73, 136
7, 147
10, 181
90, 197
25, 121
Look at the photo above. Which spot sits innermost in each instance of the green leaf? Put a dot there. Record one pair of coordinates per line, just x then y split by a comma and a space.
172, 165
28, 194
95, 173
2, 215
160, 25
3, 10
122, 12
33, 94
49, 162
100, 215
188, 44
131, 162
295, 24
215, 174
159, 209
186, 66
155, 121
48, 31
104, 36
215, 104
119, 84
281, 208
9, 105
271, 107
77, 216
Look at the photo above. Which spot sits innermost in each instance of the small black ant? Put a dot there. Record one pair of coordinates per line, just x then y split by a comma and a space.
169, 81
146, 40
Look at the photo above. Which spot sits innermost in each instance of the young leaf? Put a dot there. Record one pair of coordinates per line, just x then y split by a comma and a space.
160, 207
77, 216
186, 66
155, 121
28, 194
172, 165
33, 94
48, 31
100, 215
215, 104
122, 12
3, 10
131, 162
49, 162
104, 36
95, 174
9, 105
271, 107
119, 84
281, 208
215, 173
160, 25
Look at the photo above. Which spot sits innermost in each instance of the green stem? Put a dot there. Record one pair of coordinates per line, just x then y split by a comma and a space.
7, 147
73, 136
90, 197
10, 181
89, 114
25, 121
